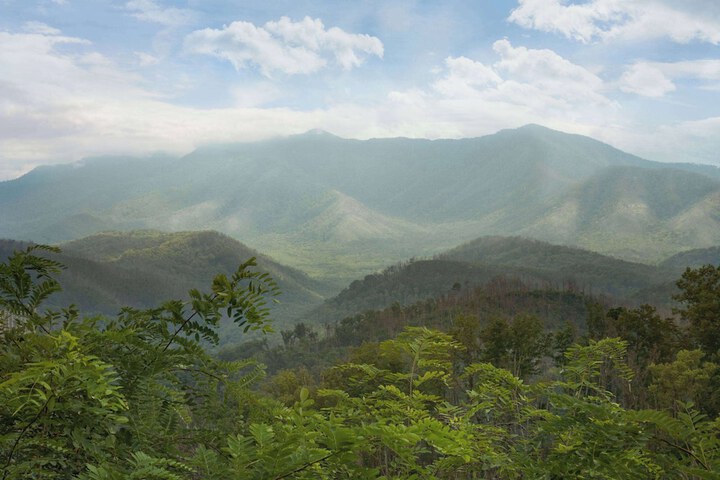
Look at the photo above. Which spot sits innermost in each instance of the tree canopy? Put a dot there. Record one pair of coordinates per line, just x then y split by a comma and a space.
138, 396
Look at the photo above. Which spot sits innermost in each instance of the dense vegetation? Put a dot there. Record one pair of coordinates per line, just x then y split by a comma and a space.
314, 347
476, 263
137, 395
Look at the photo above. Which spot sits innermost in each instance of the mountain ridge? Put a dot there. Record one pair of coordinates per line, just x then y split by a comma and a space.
142, 269
535, 263
320, 202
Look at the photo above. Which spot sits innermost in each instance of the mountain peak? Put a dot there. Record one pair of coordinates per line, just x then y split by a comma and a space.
318, 132
534, 128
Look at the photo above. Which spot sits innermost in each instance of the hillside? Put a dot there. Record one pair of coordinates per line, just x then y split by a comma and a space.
339, 208
189, 256
143, 268
693, 258
587, 269
635, 213
488, 259
555, 308
100, 287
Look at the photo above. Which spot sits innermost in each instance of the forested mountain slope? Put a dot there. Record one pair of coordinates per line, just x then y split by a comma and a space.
536, 263
144, 268
340, 208
635, 213
693, 258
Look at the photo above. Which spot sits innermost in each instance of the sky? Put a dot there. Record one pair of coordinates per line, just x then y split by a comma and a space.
82, 78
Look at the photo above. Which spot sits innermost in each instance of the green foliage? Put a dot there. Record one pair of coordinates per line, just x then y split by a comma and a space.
26, 281
62, 410
700, 299
286, 385
692, 443
518, 345
683, 381
594, 369
138, 397
117, 398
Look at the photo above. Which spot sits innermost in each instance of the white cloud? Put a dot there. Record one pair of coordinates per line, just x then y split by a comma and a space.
62, 104
655, 79
578, 21
40, 28
549, 73
146, 60
538, 81
83, 104
150, 11
646, 80
607, 20
700, 140
465, 76
47, 96
255, 95
289, 47
522, 86
707, 69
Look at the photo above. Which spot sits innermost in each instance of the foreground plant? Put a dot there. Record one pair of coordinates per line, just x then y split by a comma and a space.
139, 397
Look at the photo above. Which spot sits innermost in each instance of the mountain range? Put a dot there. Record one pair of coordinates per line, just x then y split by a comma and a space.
339, 208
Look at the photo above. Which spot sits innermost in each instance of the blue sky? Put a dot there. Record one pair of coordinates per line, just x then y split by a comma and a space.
82, 78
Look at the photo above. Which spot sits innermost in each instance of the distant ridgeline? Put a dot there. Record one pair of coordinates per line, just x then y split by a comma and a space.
339, 209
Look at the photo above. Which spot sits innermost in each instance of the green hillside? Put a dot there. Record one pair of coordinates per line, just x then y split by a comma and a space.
499, 298
587, 269
536, 263
100, 287
635, 213
693, 258
143, 268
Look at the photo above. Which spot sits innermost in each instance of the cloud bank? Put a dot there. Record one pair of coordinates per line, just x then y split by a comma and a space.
284, 46
610, 20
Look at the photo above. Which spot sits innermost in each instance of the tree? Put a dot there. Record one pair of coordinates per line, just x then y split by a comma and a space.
528, 345
650, 338
112, 397
517, 345
700, 306
683, 381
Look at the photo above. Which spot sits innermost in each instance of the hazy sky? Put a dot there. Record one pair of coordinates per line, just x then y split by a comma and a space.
89, 77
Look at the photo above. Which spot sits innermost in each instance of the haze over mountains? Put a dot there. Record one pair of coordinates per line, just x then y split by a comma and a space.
339, 208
